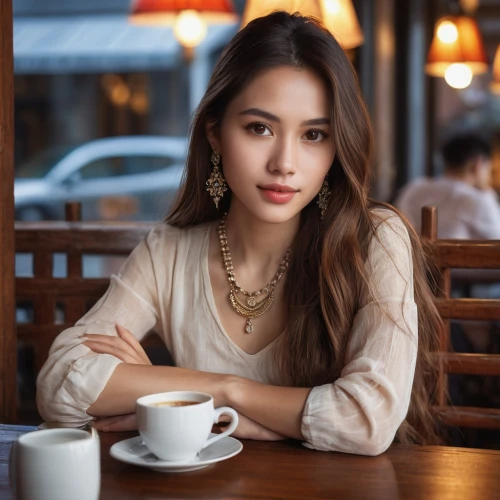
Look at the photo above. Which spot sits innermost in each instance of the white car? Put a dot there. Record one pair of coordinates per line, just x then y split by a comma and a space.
116, 178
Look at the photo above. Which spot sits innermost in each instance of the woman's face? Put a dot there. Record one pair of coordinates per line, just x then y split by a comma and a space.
276, 145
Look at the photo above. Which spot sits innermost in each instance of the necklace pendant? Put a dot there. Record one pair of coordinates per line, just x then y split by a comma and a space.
249, 326
243, 302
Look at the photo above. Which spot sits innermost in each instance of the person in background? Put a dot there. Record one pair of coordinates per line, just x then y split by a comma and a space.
467, 205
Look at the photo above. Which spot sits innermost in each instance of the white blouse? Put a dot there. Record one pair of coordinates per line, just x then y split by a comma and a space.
165, 286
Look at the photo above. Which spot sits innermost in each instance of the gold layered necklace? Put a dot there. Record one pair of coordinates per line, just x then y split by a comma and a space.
254, 303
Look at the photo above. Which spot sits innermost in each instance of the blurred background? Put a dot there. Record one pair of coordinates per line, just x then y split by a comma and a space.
105, 89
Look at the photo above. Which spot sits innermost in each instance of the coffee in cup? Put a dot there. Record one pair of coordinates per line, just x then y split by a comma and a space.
176, 403
176, 425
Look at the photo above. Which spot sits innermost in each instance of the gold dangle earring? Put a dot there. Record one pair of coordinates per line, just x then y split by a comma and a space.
216, 184
324, 196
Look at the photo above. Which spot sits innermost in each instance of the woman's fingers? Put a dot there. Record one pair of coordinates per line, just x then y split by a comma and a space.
248, 429
269, 435
124, 346
127, 336
107, 348
111, 340
119, 423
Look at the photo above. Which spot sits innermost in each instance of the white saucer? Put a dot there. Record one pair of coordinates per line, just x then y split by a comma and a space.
133, 451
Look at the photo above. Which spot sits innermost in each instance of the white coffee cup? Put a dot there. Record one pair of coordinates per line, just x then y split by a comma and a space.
56, 464
180, 432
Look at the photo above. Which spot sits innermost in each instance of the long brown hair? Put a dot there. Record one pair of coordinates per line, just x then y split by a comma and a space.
328, 258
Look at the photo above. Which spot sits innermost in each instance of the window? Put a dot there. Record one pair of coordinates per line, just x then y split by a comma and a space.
146, 164
103, 167
126, 165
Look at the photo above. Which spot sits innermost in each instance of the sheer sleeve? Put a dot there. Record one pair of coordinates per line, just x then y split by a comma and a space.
362, 410
73, 376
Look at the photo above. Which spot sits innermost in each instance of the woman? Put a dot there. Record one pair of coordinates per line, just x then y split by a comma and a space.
298, 308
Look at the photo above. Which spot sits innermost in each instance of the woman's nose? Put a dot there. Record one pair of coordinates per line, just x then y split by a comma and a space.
284, 158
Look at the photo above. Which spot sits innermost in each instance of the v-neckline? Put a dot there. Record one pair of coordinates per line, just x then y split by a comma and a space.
209, 295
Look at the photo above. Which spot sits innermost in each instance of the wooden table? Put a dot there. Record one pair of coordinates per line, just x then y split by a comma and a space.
286, 470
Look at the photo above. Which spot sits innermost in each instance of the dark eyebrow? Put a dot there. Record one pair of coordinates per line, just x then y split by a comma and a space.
262, 114
276, 119
316, 121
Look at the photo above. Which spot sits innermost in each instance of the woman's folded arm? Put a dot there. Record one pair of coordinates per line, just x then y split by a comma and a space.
73, 376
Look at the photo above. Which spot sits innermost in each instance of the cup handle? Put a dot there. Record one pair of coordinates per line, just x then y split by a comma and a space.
223, 410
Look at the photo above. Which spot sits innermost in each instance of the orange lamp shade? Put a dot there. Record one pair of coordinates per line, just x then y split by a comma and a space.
339, 16
495, 83
457, 39
165, 11
143, 6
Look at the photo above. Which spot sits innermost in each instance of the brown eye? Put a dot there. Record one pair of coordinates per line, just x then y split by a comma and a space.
259, 129
312, 135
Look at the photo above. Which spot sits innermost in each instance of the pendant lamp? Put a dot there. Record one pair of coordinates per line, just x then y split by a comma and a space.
188, 17
457, 40
339, 16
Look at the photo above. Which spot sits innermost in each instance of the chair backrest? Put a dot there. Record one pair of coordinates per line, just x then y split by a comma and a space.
462, 254
58, 302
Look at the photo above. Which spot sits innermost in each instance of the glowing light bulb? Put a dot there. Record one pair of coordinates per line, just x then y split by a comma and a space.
458, 75
447, 32
189, 28
332, 6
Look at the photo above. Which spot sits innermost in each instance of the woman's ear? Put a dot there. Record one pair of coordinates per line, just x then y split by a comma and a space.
212, 136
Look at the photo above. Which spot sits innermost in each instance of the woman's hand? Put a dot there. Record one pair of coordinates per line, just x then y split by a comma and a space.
124, 347
119, 423
249, 429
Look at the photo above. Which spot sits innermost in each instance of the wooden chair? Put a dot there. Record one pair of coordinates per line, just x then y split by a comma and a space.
462, 254
71, 296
